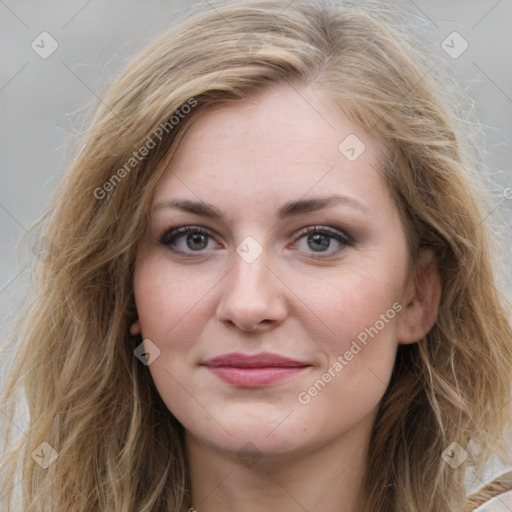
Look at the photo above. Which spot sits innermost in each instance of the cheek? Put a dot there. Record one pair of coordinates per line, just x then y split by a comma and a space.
359, 348
359, 353
169, 308
168, 301
352, 300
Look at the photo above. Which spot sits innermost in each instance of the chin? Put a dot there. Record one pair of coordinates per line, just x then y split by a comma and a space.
257, 440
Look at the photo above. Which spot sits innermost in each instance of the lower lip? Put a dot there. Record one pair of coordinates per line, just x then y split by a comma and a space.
255, 377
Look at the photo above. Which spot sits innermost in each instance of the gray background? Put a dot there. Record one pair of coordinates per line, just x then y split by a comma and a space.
40, 99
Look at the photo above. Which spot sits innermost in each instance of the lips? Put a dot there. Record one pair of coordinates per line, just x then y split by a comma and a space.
258, 370
264, 359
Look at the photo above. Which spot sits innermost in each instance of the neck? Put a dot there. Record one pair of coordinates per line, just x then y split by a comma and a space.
328, 478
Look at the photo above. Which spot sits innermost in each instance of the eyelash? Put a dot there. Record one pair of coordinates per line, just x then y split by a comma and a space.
171, 234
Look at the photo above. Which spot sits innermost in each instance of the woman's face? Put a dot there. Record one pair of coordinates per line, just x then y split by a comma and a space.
249, 279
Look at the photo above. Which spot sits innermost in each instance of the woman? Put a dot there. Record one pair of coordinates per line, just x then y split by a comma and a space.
267, 282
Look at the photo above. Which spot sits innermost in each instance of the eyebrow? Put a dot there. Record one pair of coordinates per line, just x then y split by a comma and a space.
289, 209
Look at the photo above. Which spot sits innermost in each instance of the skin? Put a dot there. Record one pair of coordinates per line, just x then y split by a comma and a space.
296, 299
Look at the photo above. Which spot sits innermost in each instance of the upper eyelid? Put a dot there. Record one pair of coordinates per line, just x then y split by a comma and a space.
329, 230
185, 229
300, 231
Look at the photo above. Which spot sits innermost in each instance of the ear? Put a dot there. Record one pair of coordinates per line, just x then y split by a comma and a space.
423, 295
135, 328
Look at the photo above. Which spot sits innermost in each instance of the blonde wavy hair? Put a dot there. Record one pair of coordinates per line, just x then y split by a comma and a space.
90, 398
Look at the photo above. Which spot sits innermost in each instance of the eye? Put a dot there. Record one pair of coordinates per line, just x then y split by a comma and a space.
195, 238
319, 239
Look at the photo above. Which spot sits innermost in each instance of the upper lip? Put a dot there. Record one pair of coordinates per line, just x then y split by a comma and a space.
263, 359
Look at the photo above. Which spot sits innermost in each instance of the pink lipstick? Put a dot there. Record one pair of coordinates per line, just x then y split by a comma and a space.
254, 371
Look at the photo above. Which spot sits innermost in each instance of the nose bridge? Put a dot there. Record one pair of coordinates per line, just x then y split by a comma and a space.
251, 293
250, 273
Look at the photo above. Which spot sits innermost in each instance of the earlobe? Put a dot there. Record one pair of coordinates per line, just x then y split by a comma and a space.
424, 296
135, 328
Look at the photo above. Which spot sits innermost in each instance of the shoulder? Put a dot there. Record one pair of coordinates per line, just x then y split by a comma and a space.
500, 503
495, 496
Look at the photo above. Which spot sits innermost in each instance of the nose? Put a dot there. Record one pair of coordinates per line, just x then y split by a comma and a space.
253, 297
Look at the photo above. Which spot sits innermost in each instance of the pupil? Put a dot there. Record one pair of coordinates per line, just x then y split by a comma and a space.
196, 239
316, 237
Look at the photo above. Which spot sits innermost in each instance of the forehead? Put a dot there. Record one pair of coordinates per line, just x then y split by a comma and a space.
285, 142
